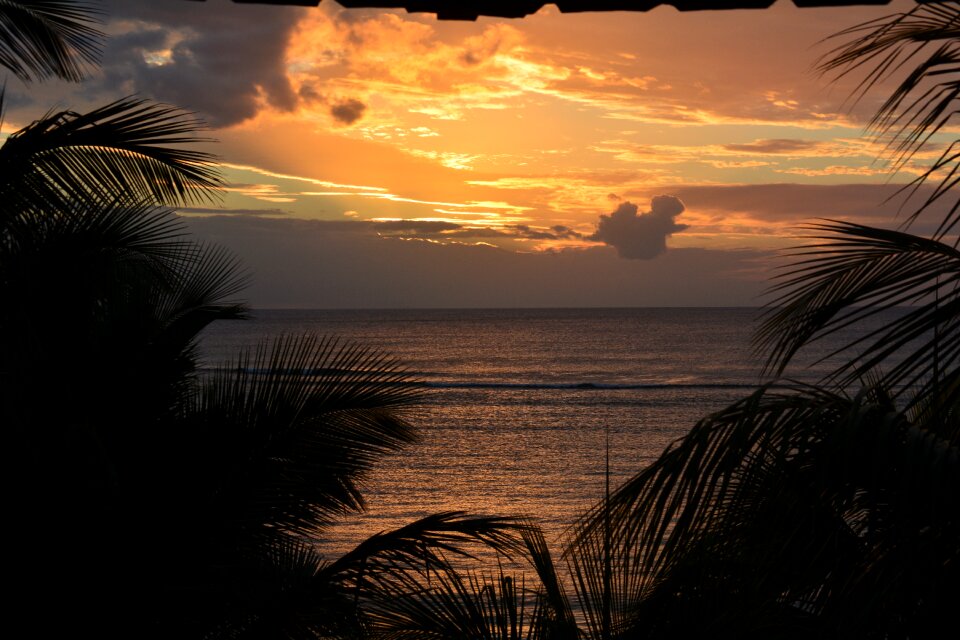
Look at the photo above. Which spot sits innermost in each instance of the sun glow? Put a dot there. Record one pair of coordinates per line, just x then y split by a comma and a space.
499, 123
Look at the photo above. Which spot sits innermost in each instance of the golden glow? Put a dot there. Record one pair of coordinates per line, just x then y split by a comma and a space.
554, 120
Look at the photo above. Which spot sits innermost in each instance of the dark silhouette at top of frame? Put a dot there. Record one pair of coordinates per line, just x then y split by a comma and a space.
472, 9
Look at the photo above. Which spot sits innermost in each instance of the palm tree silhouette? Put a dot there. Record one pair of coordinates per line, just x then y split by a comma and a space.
147, 499
826, 510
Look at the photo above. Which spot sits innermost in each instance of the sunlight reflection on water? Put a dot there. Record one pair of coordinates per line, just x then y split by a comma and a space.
518, 452
516, 421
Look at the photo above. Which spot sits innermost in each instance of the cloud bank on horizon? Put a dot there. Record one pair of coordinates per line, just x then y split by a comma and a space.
321, 264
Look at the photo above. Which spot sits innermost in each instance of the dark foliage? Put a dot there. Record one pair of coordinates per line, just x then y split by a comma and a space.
147, 498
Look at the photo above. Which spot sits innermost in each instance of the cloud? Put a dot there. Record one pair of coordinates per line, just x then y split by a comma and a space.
565, 232
409, 64
798, 203
222, 211
520, 231
440, 231
644, 236
347, 111
443, 70
223, 62
309, 264
774, 146
484, 46
446, 231
772, 215
412, 227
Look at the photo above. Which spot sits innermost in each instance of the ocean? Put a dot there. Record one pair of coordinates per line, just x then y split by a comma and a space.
520, 403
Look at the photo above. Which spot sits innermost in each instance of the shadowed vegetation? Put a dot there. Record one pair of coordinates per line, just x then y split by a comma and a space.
830, 510
148, 499
48, 38
151, 500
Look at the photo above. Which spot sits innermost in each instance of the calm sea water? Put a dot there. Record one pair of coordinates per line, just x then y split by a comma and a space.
520, 402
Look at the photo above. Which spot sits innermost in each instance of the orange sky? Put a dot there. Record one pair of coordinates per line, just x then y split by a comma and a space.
518, 134
551, 119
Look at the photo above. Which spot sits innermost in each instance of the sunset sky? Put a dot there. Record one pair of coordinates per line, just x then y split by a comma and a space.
381, 159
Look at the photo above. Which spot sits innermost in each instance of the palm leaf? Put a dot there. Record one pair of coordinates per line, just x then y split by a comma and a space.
417, 581
116, 292
771, 517
422, 546
202, 286
924, 102
285, 435
112, 223
856, 273
553, 616
44, 38
271, 590
458, 605
129, 146
414, 582
125, 268
96, 356
89, 258
659, 524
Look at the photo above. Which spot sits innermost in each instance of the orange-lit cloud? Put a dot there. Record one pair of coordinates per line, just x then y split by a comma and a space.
510, 134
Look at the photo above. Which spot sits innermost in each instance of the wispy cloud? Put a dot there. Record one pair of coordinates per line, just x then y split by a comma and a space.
313, 181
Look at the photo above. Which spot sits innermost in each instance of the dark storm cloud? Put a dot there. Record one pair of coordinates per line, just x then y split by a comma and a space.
773, 146
143, 40
222, 60
347, 111
644, 236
